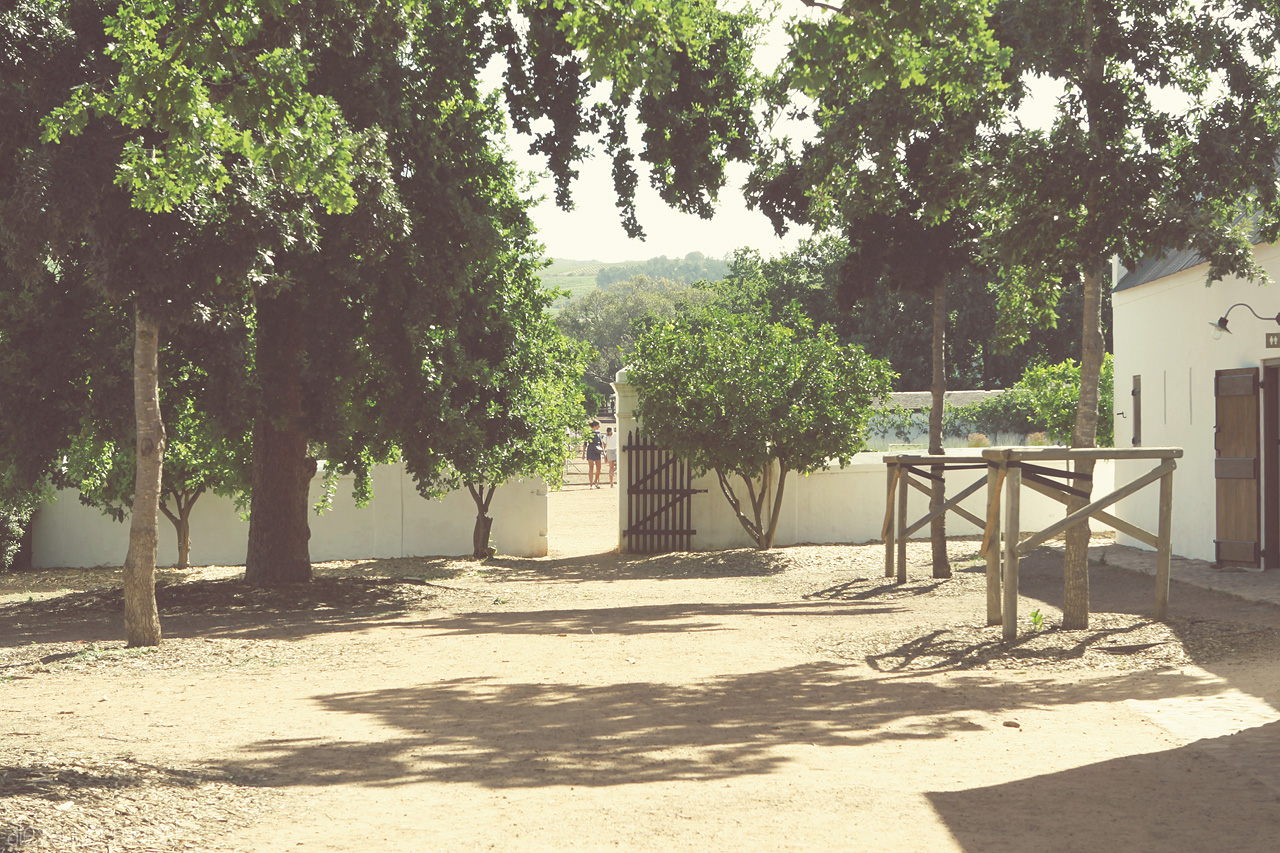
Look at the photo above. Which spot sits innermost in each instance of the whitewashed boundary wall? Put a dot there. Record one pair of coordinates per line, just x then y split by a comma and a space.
837, 505
397, 523
848, 505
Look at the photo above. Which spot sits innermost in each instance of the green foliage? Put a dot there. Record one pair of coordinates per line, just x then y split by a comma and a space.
608, 320
1053, 391
1008, 413
211, 85
337, 165
893, 324
1044, 400
18, 505
510, 406
738, 395
897, 421
592, 400
569, 278
1144, 151
682, 67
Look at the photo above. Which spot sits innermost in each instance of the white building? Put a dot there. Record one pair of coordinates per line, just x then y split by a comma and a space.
1216, 396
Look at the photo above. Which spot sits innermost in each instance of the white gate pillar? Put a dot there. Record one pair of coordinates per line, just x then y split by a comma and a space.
627, 400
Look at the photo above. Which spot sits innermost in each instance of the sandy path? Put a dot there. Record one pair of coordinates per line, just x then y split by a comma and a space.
582, 521
592, 703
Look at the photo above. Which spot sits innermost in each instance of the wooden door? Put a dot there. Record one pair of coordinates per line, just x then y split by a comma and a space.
1236, 467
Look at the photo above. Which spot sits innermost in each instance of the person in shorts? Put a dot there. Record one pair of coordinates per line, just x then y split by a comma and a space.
593, 449
611, 453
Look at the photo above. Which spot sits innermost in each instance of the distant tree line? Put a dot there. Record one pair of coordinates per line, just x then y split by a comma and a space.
812, 282
693, 267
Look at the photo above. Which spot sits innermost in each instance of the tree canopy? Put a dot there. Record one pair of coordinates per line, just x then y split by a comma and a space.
1166, 134
337, 169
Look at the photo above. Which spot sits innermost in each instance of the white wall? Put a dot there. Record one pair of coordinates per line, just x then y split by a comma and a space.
848, 505
1162, 333
837, 505
397, 523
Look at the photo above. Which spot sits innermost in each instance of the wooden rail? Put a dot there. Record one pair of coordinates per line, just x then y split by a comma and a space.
900, 468
1008, 469
1014, 465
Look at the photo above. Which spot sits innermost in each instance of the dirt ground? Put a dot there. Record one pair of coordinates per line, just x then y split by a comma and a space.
793, 700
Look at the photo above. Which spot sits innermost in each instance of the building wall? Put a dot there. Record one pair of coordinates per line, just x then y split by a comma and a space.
836, 505
397, 523
1162, 334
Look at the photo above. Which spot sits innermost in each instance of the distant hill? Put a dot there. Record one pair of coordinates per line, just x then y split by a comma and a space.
578, 277
573, 276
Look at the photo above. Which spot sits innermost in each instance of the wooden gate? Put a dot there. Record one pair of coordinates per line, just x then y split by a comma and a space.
659, 488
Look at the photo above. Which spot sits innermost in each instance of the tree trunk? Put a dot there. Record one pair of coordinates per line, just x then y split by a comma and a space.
184, 544
1075, 568
480, 549
141, 615
1075, 559
282, 470
937, 494
181, 520
767, 541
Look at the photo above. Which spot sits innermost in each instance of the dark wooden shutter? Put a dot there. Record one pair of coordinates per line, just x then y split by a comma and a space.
1236, 467
1136, 411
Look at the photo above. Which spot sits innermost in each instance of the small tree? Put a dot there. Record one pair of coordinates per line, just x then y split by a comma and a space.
742, 397
522, 430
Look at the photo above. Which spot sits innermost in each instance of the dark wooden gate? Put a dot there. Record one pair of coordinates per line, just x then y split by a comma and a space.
1236, 468
659, 488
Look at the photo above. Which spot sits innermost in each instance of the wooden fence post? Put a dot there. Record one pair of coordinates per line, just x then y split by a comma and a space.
904, 483
1013, 506
993, 543
1164, 547
890, 522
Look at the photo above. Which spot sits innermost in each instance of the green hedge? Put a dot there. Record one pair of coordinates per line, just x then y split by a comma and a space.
16, 511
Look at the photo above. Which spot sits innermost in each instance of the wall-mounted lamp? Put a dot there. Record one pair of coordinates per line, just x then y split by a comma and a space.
1221, 325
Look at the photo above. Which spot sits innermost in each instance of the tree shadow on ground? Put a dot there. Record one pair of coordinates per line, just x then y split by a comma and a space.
863, 589
325, 605
1179, 799
638, 619
350, 603
738, 562
498, 734
59, 780
1204, 627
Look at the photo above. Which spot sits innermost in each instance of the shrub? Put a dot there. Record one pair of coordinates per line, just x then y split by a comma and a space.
1054, 390
1008, 413
17, 507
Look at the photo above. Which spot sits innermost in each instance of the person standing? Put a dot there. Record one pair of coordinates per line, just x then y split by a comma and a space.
594, 447
611, 454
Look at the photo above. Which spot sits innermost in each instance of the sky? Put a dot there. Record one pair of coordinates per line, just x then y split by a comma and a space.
593, 230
